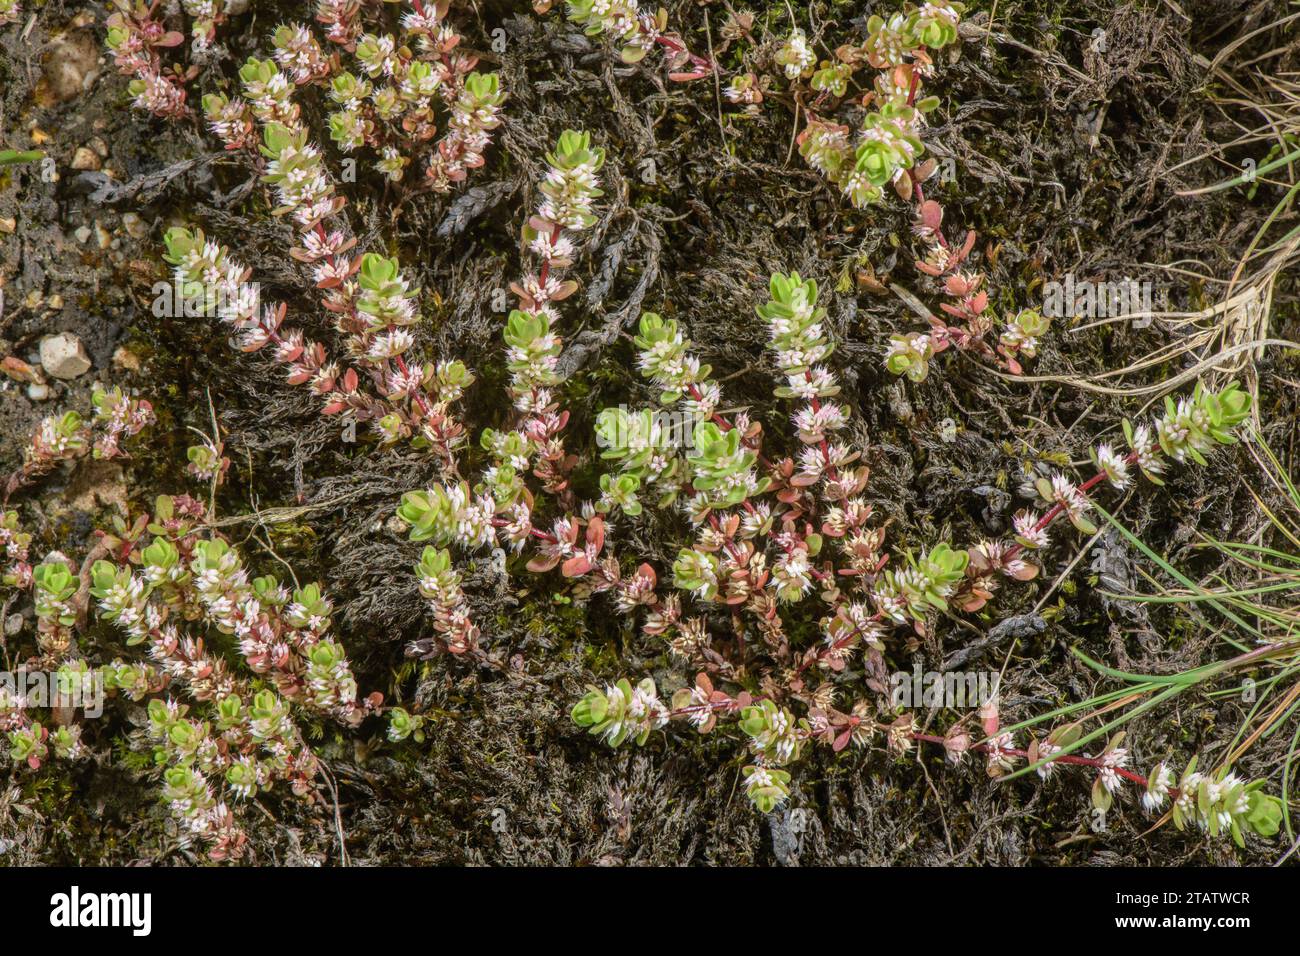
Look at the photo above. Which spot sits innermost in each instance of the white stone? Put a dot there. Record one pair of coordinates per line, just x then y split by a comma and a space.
63, 356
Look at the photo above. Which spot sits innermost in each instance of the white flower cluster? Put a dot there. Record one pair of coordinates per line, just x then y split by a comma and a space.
440, 586
277, 638
796, 56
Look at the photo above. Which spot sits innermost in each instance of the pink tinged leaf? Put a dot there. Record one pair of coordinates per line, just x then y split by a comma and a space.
1026, 573
576, 566
930, 214
957, 286
543, 563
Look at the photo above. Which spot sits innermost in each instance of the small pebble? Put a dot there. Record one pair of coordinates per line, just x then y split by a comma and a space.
71, 66
82, 233
63, 356
85, 158
38, 392
125, 360
135, 227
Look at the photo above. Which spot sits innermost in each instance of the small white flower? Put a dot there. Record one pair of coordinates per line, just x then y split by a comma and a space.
1026, 526
1114, 465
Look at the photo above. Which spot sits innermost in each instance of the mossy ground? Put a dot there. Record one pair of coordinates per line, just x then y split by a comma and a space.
505, 777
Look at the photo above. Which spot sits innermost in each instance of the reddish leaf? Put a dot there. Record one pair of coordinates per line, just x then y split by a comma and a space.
1027, 573
647, 572
543, 563
576, 566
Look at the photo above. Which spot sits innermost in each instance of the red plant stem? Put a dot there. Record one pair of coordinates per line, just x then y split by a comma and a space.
1053, 512
839, 645
826, 453
911, 173
1070, 759
546, 265
1093, 762
401, 362
699, 62
737, 554
535, 532
724, 705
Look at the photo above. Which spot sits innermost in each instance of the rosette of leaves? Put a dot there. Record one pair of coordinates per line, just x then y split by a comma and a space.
696, 571
927, 581
403, 724
436, 514
833, 79
634, 439
909, 354
798, 336
55, 585
1222, 801
619, 491
934, 24
620, 18
533, 349
888, 145
774, 732
664, 357
1192, 426
722, 467
576, 161
384, 294
767, 787
608, 713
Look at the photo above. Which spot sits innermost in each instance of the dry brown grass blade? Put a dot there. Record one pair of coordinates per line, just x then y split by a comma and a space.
1226, 339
